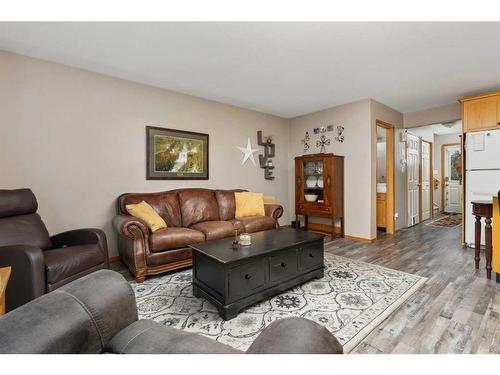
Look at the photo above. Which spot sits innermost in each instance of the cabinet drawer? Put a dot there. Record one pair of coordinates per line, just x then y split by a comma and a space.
283, 265
311, 256
245, 278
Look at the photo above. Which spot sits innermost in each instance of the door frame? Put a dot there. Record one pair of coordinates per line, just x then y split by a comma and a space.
390, 167
443, 146
431, 180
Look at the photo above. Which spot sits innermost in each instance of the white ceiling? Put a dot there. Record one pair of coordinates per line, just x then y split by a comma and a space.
286, 69
441, 129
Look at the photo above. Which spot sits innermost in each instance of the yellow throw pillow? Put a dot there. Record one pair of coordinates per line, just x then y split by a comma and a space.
249, 204
145, 212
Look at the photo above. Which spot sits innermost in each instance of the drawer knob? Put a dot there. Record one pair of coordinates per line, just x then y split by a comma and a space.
283, 264
311, 255
248, 277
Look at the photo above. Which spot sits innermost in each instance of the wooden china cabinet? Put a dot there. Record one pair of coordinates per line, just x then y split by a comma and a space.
319, 188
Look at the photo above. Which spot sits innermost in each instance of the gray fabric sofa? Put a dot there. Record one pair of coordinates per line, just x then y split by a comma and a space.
98, 314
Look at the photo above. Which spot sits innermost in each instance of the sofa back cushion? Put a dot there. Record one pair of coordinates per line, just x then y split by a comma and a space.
17, 202
198, 205
165, 203
24, 230
226, 202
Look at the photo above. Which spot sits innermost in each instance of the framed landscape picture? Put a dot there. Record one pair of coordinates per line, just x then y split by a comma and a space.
176, 154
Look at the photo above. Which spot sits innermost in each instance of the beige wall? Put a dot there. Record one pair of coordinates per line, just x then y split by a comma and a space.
446, 113
355, 118
78, 140
379, 111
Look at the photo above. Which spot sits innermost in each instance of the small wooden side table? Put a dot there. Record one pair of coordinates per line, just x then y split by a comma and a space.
4, 279
482, 209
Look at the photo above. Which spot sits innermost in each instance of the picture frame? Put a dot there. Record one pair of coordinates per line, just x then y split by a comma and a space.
174, 154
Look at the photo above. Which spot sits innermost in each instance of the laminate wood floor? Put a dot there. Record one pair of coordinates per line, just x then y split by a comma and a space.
456, 311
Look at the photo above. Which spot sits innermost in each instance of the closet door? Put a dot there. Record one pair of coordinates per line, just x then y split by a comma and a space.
413, 175
426, 181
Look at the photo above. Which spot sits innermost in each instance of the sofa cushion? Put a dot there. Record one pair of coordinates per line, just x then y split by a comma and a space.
174, 238
68, 261
148, 337
165, 203
198, 205
257, 223
24, 230
226, 202
238, 225
214, 230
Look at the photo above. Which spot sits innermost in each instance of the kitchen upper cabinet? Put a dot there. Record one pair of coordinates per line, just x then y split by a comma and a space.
481, 112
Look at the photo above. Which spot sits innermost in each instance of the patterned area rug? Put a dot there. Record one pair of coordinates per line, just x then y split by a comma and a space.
350, 300
450, 221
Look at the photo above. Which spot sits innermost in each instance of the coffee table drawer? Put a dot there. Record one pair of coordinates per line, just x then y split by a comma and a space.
283, 265
245, 278
311, 256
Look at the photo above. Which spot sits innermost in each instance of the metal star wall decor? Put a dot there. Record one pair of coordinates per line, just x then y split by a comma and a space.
340, 137
248, 152
322, 143
305, 142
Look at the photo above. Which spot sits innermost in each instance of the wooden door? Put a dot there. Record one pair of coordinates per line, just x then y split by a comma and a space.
482, 113
452, 178
426, 181
413, 178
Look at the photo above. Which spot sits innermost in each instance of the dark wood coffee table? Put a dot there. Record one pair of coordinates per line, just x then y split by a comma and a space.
277, 260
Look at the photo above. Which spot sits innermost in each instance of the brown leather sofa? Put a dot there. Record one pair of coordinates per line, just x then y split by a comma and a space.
192, 216
41, 263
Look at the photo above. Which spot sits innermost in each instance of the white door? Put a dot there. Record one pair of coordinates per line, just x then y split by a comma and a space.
452, 179
413, 168
426, 181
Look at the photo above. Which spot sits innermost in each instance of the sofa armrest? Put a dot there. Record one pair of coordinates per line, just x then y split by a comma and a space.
295, 336
80, 317
27, 280
273, 210
130, 226
87, 236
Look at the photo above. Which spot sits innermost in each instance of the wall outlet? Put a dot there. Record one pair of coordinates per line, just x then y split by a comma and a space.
396, 215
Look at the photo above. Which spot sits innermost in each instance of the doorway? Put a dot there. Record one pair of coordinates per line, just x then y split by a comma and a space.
451, 177
385, 177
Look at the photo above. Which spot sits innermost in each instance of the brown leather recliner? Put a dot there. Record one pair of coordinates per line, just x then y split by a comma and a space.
192, 216
41, 263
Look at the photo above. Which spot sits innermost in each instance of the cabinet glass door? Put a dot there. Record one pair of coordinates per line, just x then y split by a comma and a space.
313, 181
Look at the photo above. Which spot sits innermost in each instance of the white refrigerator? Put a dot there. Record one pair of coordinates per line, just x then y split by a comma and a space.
482, 175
